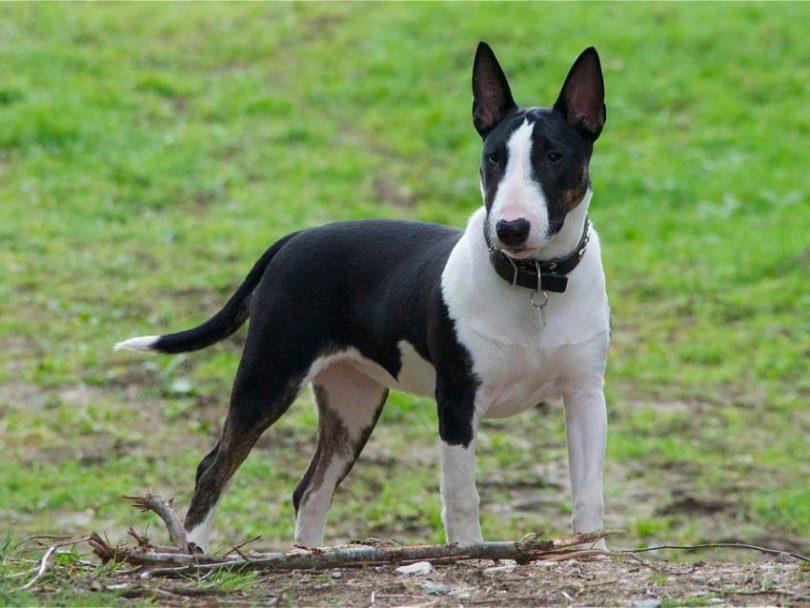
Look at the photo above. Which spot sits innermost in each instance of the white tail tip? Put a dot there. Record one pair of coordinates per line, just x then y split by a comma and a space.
141, 343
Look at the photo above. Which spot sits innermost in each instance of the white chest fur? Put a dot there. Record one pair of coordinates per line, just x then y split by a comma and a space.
517, 358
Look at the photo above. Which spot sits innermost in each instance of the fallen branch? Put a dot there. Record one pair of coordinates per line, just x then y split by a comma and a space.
164, 510
169, 561
181, 560
353, 556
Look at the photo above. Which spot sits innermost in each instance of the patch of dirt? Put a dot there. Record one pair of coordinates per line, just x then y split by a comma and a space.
567, 583
321, 27
81, 395
618, 582
523, 483
18, 395
691, 505
389, 192
106, 441
103, 448
131, 376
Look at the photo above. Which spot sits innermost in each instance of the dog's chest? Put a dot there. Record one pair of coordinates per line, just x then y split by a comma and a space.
519, 356
515, 370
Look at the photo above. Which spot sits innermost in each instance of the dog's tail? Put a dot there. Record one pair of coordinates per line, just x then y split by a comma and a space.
220, 326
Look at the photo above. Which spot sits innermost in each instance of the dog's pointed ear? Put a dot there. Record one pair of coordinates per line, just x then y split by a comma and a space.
582, 98
492, 99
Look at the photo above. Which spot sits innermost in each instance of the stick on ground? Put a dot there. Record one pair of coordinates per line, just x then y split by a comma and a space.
43, 567
179, 560
164, 510
355, 556
769, 551
45, 562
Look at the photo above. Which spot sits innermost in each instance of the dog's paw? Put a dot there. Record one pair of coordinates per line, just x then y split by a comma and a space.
195, 549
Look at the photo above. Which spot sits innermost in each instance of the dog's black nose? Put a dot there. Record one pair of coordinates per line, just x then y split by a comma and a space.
513, 233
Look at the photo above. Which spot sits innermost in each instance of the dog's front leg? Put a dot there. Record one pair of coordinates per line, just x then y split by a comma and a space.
457, 425
586, 434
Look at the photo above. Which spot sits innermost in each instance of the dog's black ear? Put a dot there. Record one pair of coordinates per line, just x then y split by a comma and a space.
492, 99
582, 98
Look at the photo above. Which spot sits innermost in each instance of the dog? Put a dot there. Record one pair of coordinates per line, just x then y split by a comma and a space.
489, 321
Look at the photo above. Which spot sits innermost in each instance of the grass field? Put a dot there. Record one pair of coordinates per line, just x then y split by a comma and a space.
149, 153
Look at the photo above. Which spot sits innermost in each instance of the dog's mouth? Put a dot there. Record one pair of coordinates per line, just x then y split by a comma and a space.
519, 253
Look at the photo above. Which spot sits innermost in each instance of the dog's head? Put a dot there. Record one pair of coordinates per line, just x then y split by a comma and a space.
534, 163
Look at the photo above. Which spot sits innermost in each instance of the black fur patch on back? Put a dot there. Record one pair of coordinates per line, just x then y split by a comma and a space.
366, 285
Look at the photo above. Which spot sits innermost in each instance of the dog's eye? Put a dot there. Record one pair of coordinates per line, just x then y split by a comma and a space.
554, 157
494, 157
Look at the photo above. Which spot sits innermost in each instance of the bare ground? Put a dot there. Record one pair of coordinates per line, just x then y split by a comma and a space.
620, 582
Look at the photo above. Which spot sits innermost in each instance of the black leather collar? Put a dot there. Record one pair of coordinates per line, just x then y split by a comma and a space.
551, 273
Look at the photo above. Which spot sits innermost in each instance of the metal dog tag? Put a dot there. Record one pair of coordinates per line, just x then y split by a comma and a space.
539, 304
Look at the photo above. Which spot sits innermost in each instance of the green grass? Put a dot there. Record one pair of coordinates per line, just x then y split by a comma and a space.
149, 153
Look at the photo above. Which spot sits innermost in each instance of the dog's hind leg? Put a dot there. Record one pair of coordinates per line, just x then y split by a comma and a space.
258, 400
349, 404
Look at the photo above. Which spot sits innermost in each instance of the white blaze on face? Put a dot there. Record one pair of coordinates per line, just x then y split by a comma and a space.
519, 195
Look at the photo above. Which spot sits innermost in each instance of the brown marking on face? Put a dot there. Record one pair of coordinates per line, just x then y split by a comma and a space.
571, 197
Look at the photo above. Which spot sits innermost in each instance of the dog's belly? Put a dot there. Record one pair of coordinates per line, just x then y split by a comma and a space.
416, 375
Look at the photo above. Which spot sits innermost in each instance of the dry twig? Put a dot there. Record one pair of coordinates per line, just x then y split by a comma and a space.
45, 562
767, 550
238, 548
785, 592
43, 567
164, 510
